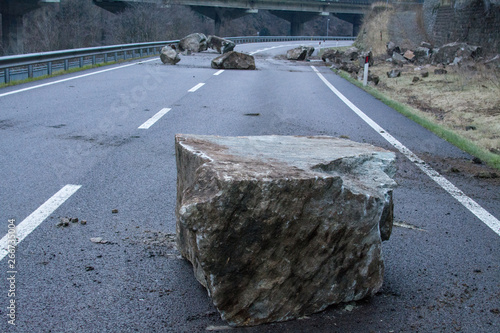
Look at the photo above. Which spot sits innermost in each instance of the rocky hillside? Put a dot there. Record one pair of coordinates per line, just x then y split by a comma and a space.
439, 22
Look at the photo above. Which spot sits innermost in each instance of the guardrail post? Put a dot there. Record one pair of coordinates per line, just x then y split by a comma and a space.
30, 71
7, 75
93, 60
116, 56
105, 57
81, 62
49, 68
66, 64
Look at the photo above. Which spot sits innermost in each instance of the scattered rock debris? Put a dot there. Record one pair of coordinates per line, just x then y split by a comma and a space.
114, 211
65, 221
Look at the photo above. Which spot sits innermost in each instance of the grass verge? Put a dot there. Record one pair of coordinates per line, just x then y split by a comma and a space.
457, 140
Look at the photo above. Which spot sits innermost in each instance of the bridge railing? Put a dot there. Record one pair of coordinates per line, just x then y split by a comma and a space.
24, 66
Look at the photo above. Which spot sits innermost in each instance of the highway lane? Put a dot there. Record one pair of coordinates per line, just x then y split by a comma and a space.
441, 277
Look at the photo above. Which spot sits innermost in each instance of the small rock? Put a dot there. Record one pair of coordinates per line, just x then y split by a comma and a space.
89, 268
114, 211
409, 55
349, 307
63, 222
424, 74
83, 222
98, 240
440, 71
470, 128
398, 59
455, 170
426, 45
476, 160
486, 175
392, 48
394, 73
74, 220
415, 79
495, 151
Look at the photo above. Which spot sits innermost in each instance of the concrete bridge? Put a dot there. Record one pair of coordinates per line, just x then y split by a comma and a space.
297, 12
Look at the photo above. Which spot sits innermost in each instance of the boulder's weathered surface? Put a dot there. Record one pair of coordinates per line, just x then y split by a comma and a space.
422, 54
196, 42
409, 55
391, 48
351, 54
332, 56
220, 45
169, 55
398, 59
234, 60
300, 53
278, 227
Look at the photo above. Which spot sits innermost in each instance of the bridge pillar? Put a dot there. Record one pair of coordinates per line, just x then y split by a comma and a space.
12, 34
12, 22
296, 19
355, 19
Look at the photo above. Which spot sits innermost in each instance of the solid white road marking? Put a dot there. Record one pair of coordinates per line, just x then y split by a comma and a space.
455, 192
38, 216
150, 122
196, 87
219, 72
72, 78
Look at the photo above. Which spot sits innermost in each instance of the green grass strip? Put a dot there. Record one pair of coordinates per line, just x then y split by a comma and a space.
455, 139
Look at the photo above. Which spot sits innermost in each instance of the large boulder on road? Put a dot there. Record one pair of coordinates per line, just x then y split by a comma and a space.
220, 45
169, 55
279, 227
196, 42
234, 60
300, 53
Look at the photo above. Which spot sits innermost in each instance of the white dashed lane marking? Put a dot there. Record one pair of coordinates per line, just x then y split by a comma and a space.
30, 223
150, 122
196, 87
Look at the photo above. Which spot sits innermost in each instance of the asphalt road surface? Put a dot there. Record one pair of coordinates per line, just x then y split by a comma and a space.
88, 146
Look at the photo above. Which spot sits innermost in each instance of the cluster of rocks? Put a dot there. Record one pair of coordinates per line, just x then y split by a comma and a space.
198, 42
453, 54
448, 54
300, 53
65, 221
352, 61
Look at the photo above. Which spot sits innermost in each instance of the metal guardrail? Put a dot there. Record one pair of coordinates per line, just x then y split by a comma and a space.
20, 67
